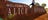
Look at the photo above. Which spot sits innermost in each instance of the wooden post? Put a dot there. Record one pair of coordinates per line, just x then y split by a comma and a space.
32, 2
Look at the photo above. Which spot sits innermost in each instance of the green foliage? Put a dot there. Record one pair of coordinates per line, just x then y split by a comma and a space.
37, 4
10, 16
43, 5
1, 18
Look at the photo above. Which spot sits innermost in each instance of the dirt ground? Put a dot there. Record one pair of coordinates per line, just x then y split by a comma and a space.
43, 17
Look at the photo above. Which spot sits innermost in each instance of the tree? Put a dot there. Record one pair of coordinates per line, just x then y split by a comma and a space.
37, 4
43, 5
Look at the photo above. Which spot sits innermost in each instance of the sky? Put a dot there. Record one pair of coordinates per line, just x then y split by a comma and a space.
22, 1
28, 2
